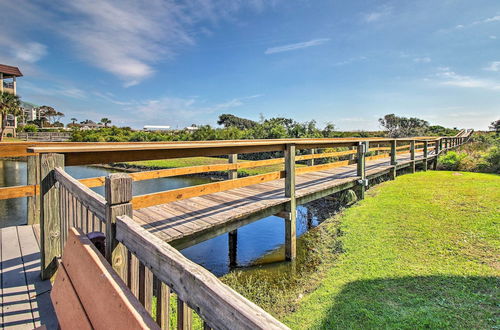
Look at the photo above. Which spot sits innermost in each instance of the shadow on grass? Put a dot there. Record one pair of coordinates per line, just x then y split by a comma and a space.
417, 302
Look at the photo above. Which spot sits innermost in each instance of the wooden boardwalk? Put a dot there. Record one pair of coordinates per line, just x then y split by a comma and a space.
187, 222
24, 297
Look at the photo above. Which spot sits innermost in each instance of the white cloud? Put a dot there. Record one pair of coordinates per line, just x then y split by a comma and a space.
482, 21
377, 15
493, 37
425, 59
173, 110
123, 37
351, 60
66, 91
299, 45
449, 78
494, 66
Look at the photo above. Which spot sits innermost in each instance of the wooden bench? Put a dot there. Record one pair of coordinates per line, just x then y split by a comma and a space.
89, 294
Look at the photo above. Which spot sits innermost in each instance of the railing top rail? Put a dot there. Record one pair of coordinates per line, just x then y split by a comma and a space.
92, 200
195, 285
93, 147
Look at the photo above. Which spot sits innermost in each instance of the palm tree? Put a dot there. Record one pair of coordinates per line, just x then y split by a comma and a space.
105, 121
9, 105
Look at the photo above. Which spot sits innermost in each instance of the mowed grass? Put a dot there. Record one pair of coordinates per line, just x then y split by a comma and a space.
197, 161
419, 252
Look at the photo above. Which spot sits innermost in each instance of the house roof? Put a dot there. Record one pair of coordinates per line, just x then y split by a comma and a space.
10, 71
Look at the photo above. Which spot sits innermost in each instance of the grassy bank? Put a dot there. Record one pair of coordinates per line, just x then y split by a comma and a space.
418, 252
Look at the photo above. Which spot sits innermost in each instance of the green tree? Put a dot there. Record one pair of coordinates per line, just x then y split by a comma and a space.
228, 120
105, 121
74, 120
9, 105
51, 114
495, 126
402, 126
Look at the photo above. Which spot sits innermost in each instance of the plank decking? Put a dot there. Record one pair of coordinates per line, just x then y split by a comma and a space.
25, 298
186, 222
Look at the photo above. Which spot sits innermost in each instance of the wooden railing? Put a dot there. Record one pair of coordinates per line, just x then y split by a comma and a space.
44, 136
152, 269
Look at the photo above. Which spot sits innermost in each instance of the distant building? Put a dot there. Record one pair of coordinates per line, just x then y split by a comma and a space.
156, 128
8, 75
191, 128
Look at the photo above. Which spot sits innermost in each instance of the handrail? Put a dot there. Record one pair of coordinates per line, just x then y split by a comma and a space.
218, 305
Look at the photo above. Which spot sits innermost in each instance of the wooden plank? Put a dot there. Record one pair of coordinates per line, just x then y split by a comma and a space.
38, 290
291, 206
325, 155
107, 301
215, 302
17, 192
322, 167
15, 300
142, 201
69, 309
89, 198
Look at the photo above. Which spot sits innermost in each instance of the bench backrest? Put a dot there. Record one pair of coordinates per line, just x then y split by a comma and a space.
87, 292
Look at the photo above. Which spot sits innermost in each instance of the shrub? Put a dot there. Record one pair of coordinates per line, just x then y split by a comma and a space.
30, 128
451, 160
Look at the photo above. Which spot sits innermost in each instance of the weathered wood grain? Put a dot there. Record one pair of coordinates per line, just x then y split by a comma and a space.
215, 302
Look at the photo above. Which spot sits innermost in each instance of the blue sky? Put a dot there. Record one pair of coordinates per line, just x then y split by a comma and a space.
181, 62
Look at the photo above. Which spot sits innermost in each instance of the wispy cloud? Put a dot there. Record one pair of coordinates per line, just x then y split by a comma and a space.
173, 110
450, 78
299, 45
55, 90
351, 60
425, 59
377, 15
494, 66
123, 37
482, 21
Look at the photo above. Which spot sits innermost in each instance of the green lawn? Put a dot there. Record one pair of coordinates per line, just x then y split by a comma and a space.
421, 251
196, 161
418, 252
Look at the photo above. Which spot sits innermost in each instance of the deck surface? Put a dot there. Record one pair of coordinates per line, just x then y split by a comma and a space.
25, 298
182, 221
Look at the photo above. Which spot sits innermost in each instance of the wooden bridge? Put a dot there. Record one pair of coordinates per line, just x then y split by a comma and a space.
140, 230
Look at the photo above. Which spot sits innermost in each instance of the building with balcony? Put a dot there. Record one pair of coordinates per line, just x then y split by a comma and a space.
8, 83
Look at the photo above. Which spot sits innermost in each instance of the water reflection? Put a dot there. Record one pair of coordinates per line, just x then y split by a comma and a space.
254, 240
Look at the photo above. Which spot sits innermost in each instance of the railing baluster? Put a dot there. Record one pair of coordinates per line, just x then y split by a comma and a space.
184, 316
393, 159
162, 304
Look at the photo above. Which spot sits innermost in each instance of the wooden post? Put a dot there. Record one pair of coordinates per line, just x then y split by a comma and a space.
393, 159
33, 202
425, 154
50, 223
233, 235
440, 144
291, 206
233, 159
436, 152
412, 155
310, 162
361, 168
118, 193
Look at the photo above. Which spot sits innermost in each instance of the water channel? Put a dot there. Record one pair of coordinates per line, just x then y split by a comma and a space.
254, 240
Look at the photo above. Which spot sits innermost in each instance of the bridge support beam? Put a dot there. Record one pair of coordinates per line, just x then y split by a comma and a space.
50, 223
232, 235
393, 160
310, 162
233, 248
291, 206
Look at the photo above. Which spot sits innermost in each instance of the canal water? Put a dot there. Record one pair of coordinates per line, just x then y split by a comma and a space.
255, 240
